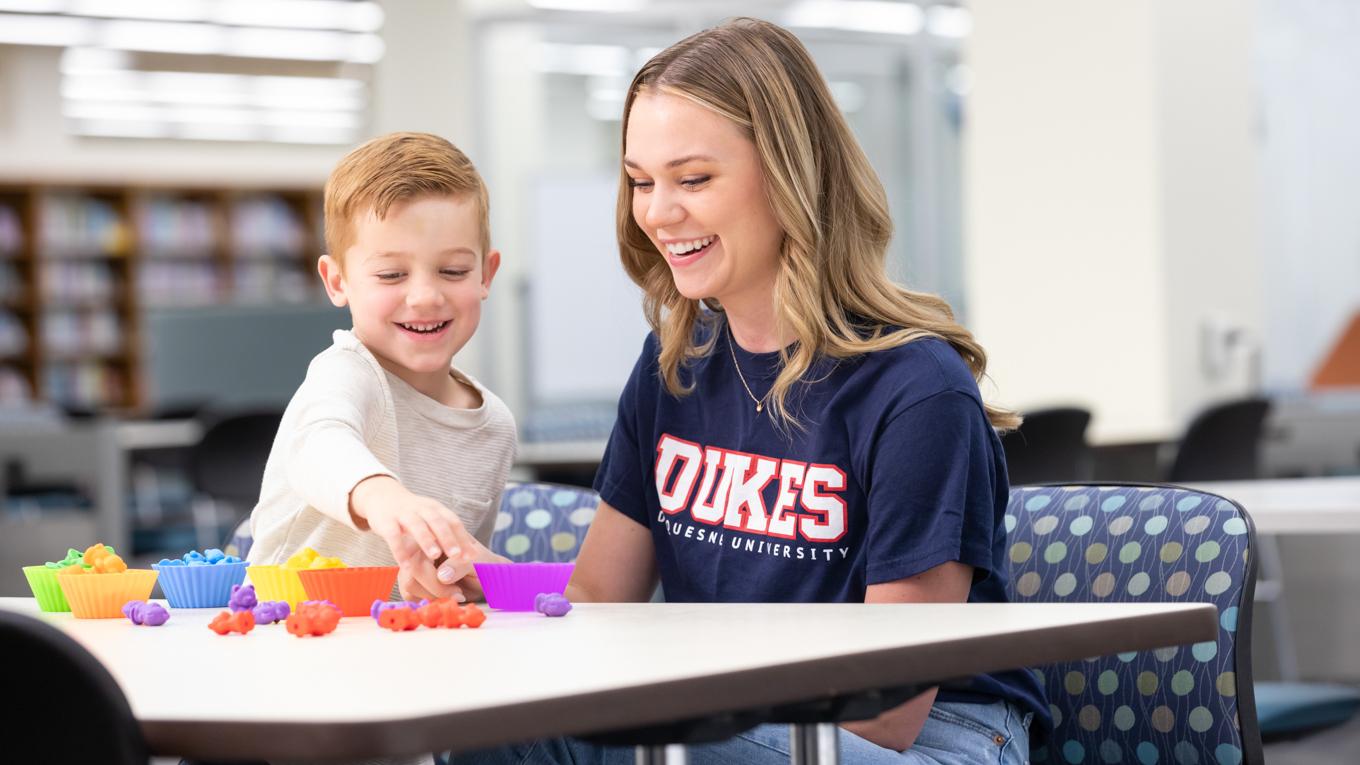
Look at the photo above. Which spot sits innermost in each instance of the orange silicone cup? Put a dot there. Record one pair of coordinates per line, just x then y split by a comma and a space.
101, 596
352, 589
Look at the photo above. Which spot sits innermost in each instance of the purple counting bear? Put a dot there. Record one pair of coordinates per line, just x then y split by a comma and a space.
150, 614
381, 605
242, 597
552, 604
271, 611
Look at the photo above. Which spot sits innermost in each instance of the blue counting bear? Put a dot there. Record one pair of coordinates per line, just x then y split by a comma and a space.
208, 557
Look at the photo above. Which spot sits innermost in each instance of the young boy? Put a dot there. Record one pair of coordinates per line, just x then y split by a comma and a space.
387, 453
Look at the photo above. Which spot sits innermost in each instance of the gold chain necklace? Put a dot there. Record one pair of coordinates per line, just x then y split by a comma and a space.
731, 348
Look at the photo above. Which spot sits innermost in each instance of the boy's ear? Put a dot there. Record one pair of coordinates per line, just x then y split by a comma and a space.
490, 265
334, 279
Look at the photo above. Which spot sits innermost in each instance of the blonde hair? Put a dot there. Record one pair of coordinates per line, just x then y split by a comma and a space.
395, 168
832, 291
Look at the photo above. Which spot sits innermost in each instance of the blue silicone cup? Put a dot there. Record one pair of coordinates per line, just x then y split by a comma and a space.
200, 586
513, 586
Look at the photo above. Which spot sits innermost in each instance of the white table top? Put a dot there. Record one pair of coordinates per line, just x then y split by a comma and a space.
364, 691
1295, 505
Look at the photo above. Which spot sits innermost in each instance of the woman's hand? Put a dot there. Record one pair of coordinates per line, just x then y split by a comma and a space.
419, 577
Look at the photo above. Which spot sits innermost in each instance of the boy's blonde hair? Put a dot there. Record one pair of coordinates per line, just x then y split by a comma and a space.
832, 291
395, 168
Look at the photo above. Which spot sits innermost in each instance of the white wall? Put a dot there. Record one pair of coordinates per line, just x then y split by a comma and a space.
1209, 163
1108, 177
1061, 207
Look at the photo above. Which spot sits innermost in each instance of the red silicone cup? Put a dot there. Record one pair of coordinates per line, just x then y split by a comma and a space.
513, 586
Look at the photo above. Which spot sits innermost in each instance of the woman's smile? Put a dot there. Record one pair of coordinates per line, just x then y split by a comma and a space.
690, 251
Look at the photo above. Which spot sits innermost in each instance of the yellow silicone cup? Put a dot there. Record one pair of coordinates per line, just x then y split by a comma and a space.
277, 583
46, 590
101, 596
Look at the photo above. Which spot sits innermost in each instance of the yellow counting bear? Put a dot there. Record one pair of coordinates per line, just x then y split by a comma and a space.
308, 558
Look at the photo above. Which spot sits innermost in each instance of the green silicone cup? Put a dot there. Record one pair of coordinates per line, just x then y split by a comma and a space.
43, 581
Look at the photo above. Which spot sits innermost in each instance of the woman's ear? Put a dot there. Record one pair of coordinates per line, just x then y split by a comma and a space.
334, 278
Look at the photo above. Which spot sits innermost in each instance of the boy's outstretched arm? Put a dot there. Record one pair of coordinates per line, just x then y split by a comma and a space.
382, 504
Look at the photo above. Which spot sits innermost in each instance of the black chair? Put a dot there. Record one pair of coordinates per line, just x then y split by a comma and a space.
1049, 447
1223, 443
227, 465
52, 676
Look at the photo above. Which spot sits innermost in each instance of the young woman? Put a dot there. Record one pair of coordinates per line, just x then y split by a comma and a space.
797, 428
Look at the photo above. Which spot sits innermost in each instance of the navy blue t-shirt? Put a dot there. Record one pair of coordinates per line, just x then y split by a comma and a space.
896, 471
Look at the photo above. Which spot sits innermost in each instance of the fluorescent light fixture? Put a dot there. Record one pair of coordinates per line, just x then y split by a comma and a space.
33, 6
212, 123
79, 60
341, 15
159, 10
21, 29
857, 16
589, 60
300, 14
161, 36
949, 21
305, 44
166, 27
204, 89
594, 6
120, 128
112, 112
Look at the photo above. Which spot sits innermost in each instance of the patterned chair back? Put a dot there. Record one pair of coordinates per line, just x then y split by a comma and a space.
1179, 705
543, 521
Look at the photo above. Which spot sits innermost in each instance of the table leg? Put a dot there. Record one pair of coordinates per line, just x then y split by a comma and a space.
814, 744
661, 754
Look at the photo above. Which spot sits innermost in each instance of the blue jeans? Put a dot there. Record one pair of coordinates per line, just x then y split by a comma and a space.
954, 734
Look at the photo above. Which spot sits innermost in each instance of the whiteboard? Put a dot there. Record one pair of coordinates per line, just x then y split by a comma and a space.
584, 314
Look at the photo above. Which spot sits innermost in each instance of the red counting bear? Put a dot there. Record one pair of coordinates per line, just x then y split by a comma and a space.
313, 617
398, 619
229, 621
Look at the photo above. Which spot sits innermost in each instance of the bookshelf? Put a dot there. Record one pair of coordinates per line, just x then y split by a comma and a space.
80, 265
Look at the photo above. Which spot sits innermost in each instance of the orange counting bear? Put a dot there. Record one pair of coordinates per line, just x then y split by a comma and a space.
102, 561
313, 617
228, 621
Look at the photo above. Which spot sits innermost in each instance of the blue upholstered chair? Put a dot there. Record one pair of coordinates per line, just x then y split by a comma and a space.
543, 521
1179, 705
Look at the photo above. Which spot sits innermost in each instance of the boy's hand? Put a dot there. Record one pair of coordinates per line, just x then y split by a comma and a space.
392, 512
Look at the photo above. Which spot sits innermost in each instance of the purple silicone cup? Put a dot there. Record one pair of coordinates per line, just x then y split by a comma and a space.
513, 586
200, 586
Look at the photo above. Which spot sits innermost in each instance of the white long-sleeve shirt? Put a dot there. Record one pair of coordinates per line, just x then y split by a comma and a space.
352, 419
